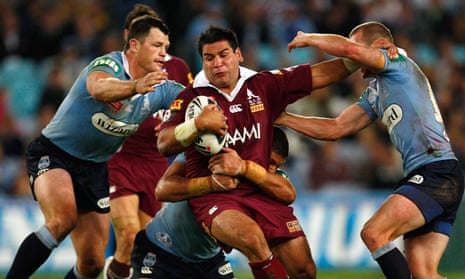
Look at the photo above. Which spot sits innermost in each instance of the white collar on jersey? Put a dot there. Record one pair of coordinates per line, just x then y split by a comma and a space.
126, 64
402, 51
244, 73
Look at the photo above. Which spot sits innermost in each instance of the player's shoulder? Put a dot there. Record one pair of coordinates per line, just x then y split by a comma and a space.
111, 62
283, 73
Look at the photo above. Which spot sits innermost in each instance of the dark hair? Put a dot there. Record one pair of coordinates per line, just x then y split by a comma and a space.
371, 31
216, 34
140, 28
280, 143
138, 11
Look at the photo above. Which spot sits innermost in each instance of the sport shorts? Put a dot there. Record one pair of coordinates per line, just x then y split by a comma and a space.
150, 261
276, 219
128, 175
437, 190
90, 179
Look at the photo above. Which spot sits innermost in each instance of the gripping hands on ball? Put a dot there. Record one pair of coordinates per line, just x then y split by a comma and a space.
205, 126
212, 119
209, 119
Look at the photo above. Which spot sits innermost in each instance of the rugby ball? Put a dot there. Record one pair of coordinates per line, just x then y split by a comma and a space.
207, 143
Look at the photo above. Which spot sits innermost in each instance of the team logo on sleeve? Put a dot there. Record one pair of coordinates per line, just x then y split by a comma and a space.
293, 226
106, 62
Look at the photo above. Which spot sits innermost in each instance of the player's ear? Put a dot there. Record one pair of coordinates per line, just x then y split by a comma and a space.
239, 55
133, 43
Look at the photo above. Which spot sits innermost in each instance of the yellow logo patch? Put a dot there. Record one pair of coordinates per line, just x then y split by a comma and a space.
293, 226
176, 104
257, 107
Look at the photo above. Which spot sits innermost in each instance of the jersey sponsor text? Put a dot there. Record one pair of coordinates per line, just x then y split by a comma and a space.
113, 127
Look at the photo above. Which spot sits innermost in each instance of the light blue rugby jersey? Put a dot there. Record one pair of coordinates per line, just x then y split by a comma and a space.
92, 130
402, 98
175, 230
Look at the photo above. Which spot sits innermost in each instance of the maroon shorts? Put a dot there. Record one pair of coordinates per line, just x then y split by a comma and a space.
130, 175
277, 220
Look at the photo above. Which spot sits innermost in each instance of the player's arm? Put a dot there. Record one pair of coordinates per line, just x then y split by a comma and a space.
329, 72
370, 57
106, 88
351, 120
174, 186
175, 139
274, 185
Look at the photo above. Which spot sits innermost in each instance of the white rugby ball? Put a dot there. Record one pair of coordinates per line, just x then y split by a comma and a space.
207, 143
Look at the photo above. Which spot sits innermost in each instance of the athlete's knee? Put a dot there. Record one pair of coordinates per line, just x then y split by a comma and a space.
304, 272
61, 226
90, 267
127, 233
254, 246
421, 270
254, 241
301, 268
424, 274
372, 237
127, 236
128, 225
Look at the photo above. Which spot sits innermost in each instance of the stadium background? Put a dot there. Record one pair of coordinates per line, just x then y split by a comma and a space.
45, 43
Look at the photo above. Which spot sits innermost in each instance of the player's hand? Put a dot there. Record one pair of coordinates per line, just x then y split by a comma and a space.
392, 50
228, 162
300, 40
212, 119
223, 183
147, 83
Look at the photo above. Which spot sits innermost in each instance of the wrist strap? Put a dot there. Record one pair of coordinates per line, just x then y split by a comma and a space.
186, 132
254, 172
221, 186
199, 186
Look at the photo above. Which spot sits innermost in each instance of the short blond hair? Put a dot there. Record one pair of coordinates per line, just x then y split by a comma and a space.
371, 31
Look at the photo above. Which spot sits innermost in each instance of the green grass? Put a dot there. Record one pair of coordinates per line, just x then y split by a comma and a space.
338, 274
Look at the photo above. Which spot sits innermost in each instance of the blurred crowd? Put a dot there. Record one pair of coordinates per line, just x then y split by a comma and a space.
45, 43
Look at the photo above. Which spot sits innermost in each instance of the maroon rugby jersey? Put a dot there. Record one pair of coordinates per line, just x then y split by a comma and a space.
251, 108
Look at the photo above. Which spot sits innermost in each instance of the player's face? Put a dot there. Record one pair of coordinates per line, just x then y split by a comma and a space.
275, 162
151, 52
221, 65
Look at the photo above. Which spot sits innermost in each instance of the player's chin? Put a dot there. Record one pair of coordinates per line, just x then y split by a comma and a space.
220, 82
157, 66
